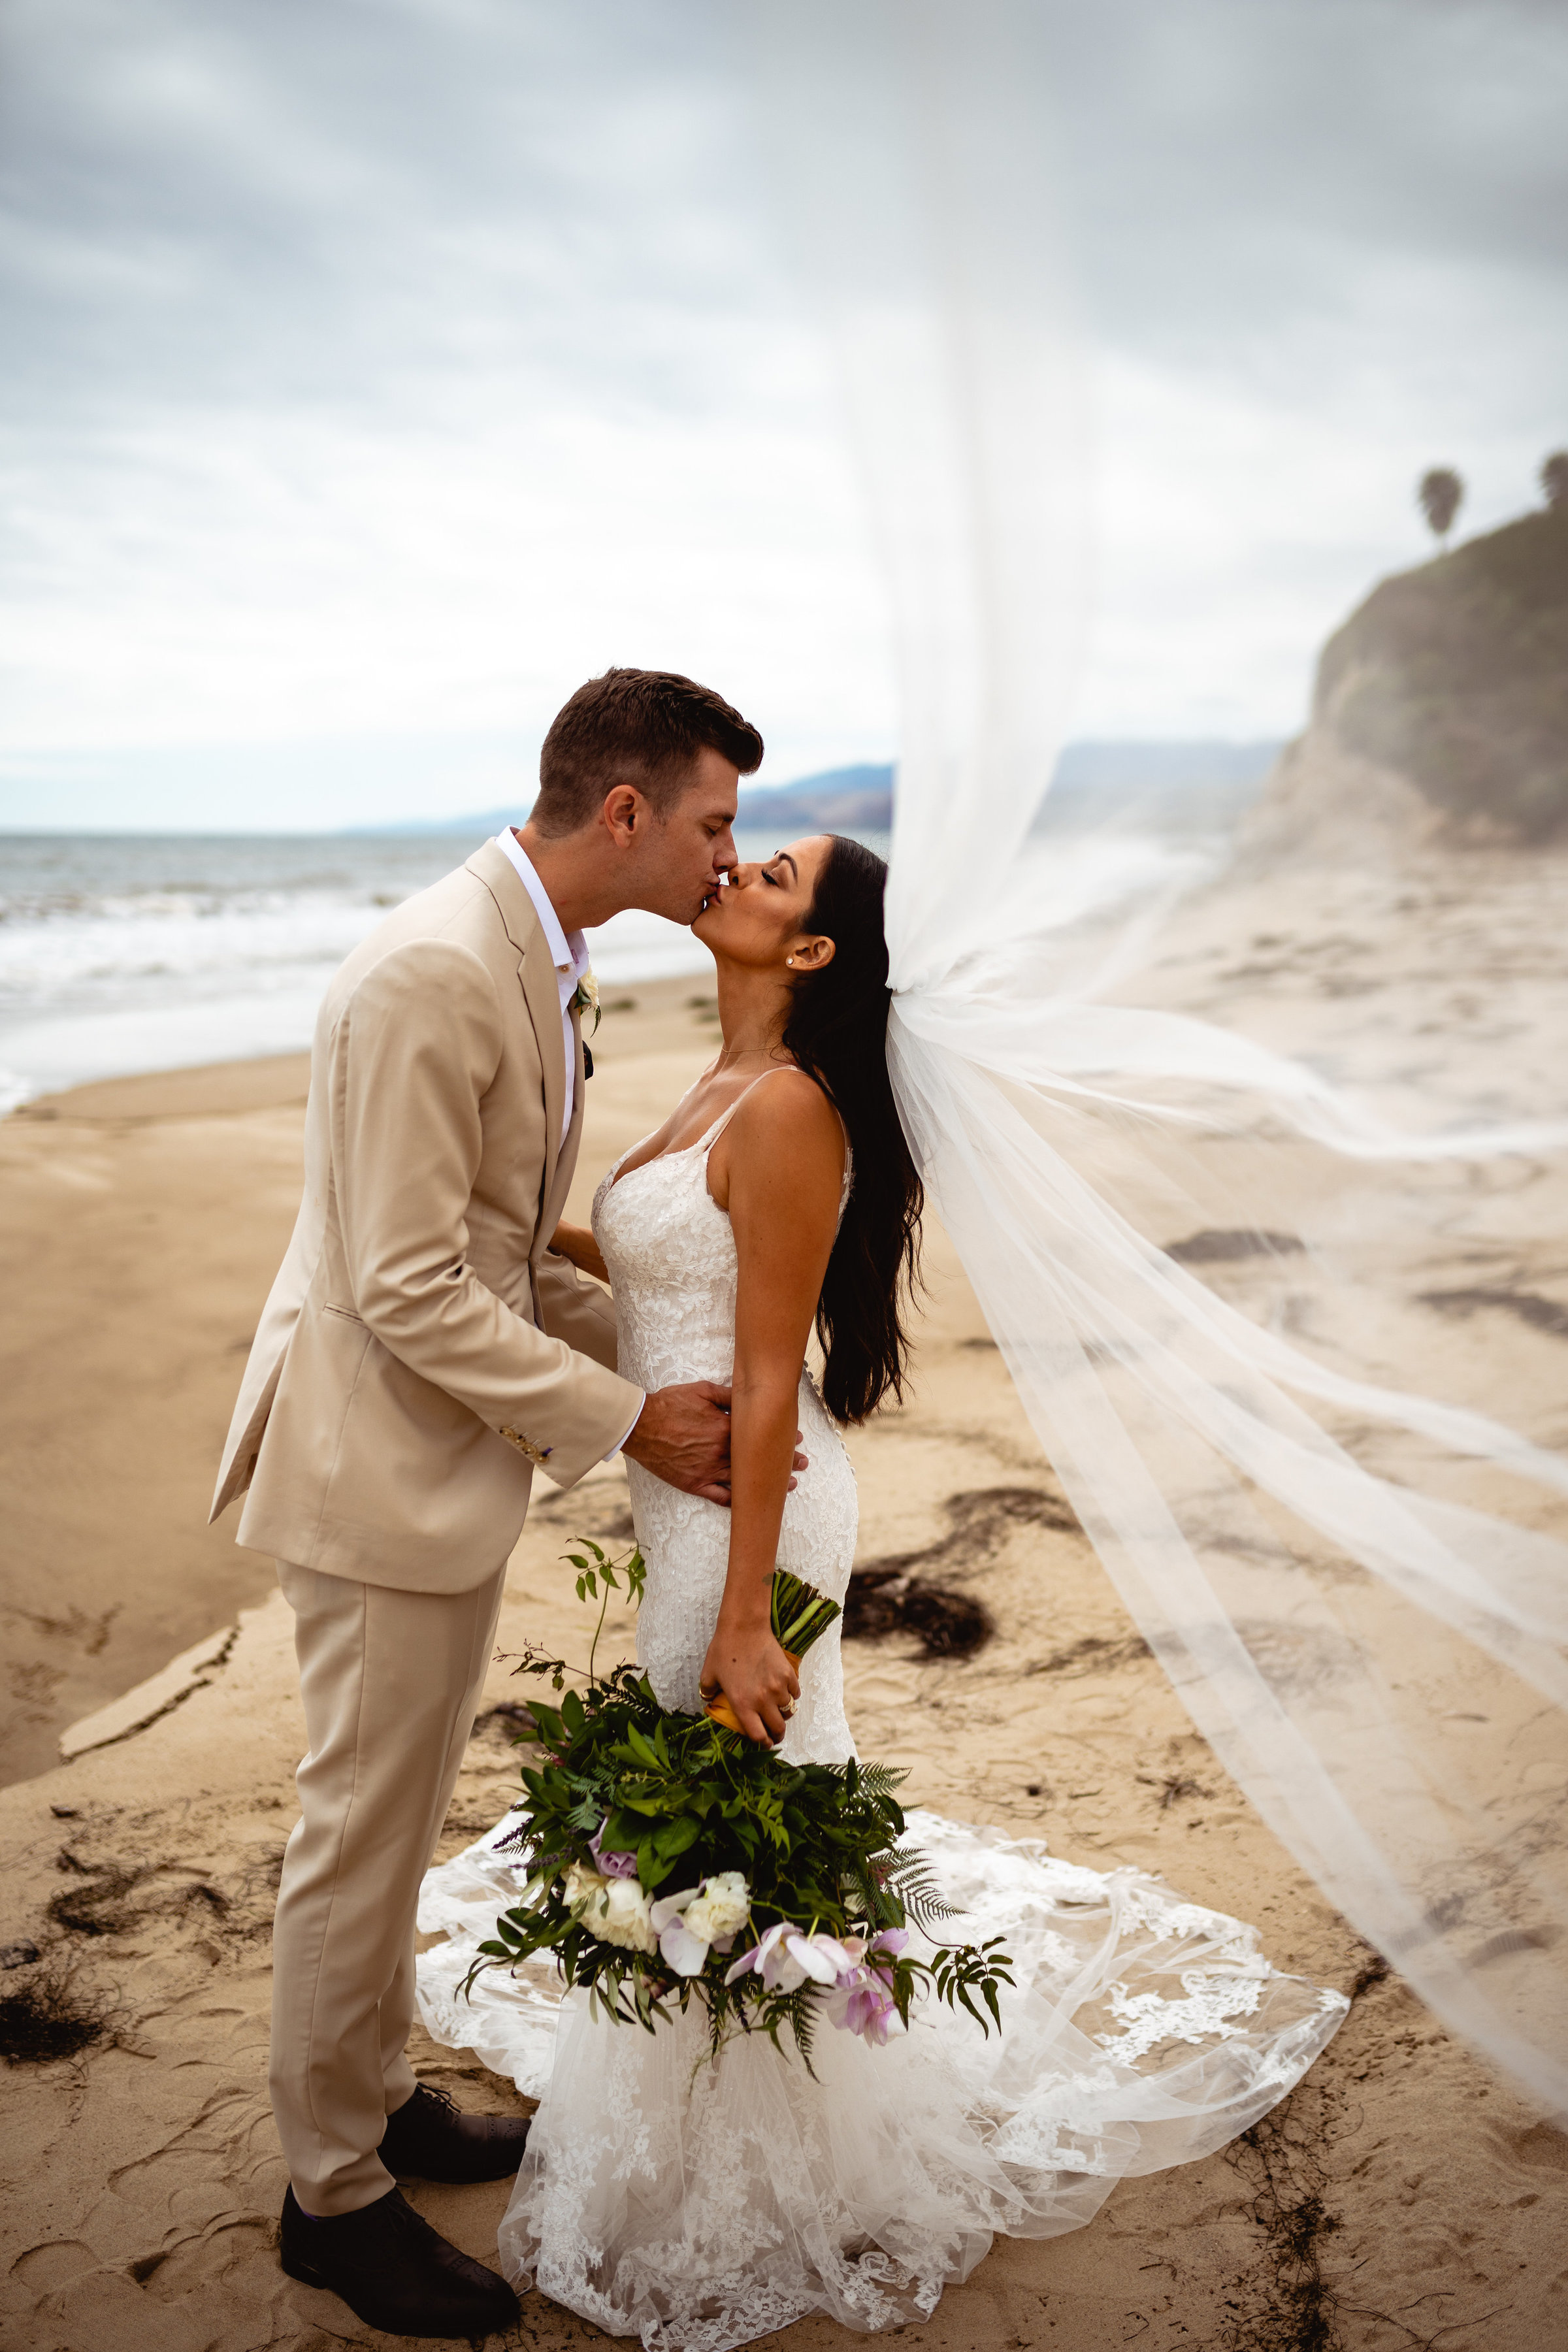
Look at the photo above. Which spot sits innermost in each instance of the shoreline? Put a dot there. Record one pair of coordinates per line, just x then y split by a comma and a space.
196, 957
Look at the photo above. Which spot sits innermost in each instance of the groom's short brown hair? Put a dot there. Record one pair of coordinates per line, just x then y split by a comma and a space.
641, 727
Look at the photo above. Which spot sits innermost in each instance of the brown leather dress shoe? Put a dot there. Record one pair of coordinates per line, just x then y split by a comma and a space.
430, 2138
394, 2272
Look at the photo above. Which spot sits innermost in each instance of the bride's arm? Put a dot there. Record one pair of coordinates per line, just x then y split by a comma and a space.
577, 1242
779, 1174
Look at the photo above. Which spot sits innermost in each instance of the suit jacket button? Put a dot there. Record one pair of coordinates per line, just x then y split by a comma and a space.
536, 1453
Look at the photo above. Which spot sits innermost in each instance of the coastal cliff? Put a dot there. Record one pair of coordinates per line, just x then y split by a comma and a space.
1440, 711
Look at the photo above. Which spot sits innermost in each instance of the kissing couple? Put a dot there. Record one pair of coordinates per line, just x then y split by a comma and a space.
437, 1335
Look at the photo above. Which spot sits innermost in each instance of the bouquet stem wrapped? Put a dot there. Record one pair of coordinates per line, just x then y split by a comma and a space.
800, 1615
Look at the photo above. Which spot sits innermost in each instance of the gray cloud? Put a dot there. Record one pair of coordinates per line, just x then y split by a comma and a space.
245, 200
263, 198
239, 227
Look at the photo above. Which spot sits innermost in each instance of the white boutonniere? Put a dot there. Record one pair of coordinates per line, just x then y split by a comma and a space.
586, 999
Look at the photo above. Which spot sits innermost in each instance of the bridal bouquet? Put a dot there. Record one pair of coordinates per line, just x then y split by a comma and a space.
672, 1861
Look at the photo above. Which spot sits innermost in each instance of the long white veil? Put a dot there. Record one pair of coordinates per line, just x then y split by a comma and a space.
1381, 1670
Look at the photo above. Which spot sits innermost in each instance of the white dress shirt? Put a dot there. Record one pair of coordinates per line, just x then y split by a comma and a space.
569, 954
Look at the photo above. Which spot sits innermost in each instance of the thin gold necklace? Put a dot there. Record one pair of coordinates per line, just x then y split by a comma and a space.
726, 1063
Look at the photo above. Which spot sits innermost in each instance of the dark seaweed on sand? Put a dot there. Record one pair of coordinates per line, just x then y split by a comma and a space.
49, 2017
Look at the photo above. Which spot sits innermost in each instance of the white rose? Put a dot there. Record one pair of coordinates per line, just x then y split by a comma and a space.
621, 1916
721, 1908
587, 996
582, 1885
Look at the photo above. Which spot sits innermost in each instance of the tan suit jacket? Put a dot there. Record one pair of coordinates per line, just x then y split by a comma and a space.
421, 1350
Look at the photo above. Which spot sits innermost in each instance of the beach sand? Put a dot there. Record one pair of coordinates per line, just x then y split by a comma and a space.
1403, 2196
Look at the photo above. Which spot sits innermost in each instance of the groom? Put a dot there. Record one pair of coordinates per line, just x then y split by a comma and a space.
422, 1354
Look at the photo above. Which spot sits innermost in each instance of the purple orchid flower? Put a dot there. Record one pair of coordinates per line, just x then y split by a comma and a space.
866, 2007
862, 2001
611, 1865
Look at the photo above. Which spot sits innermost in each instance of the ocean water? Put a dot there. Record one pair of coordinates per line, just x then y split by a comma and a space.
133, 952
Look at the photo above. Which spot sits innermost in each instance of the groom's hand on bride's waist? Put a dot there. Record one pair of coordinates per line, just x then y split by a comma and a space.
682, 1435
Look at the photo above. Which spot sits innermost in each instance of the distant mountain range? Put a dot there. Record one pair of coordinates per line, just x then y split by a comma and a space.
841, 800
858, 800
1194, 784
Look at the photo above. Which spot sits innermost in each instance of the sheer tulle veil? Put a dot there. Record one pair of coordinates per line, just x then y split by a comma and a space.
1380, 1667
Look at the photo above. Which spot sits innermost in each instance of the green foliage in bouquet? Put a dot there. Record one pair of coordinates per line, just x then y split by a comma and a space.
673, 1861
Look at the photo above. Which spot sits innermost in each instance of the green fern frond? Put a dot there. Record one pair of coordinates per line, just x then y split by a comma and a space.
914, 1881
800, 2012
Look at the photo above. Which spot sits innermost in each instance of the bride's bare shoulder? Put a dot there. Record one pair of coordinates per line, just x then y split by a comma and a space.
786, 1128
790, 1104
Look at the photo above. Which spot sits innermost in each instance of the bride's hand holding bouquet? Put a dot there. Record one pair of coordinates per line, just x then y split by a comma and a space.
749, 1682
792, 1616
675, 1861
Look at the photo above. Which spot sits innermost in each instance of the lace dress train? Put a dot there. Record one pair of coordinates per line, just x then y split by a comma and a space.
701, 2205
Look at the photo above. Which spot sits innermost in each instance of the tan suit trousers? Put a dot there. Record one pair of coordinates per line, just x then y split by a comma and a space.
390, 1681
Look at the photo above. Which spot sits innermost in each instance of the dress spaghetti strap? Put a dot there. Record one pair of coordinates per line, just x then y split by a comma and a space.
706, 1142
618, 1172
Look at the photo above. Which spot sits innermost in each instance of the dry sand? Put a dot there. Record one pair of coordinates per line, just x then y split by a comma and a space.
1403, 2197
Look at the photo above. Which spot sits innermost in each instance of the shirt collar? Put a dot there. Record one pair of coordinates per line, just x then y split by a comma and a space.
568, 950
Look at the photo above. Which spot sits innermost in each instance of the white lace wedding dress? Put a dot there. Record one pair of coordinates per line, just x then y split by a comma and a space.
701, 2206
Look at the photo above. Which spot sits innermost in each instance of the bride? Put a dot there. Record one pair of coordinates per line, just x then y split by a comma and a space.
703, 2204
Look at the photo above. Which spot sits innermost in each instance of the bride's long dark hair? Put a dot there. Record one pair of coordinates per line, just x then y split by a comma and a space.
837, 1032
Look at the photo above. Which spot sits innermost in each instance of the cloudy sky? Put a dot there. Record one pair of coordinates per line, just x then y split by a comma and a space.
375, 370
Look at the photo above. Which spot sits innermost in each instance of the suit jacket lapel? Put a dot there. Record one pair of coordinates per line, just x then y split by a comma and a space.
542, 994
557, 1187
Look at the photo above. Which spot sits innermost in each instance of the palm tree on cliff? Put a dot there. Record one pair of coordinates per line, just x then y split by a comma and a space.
1439, 496
1554, 478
